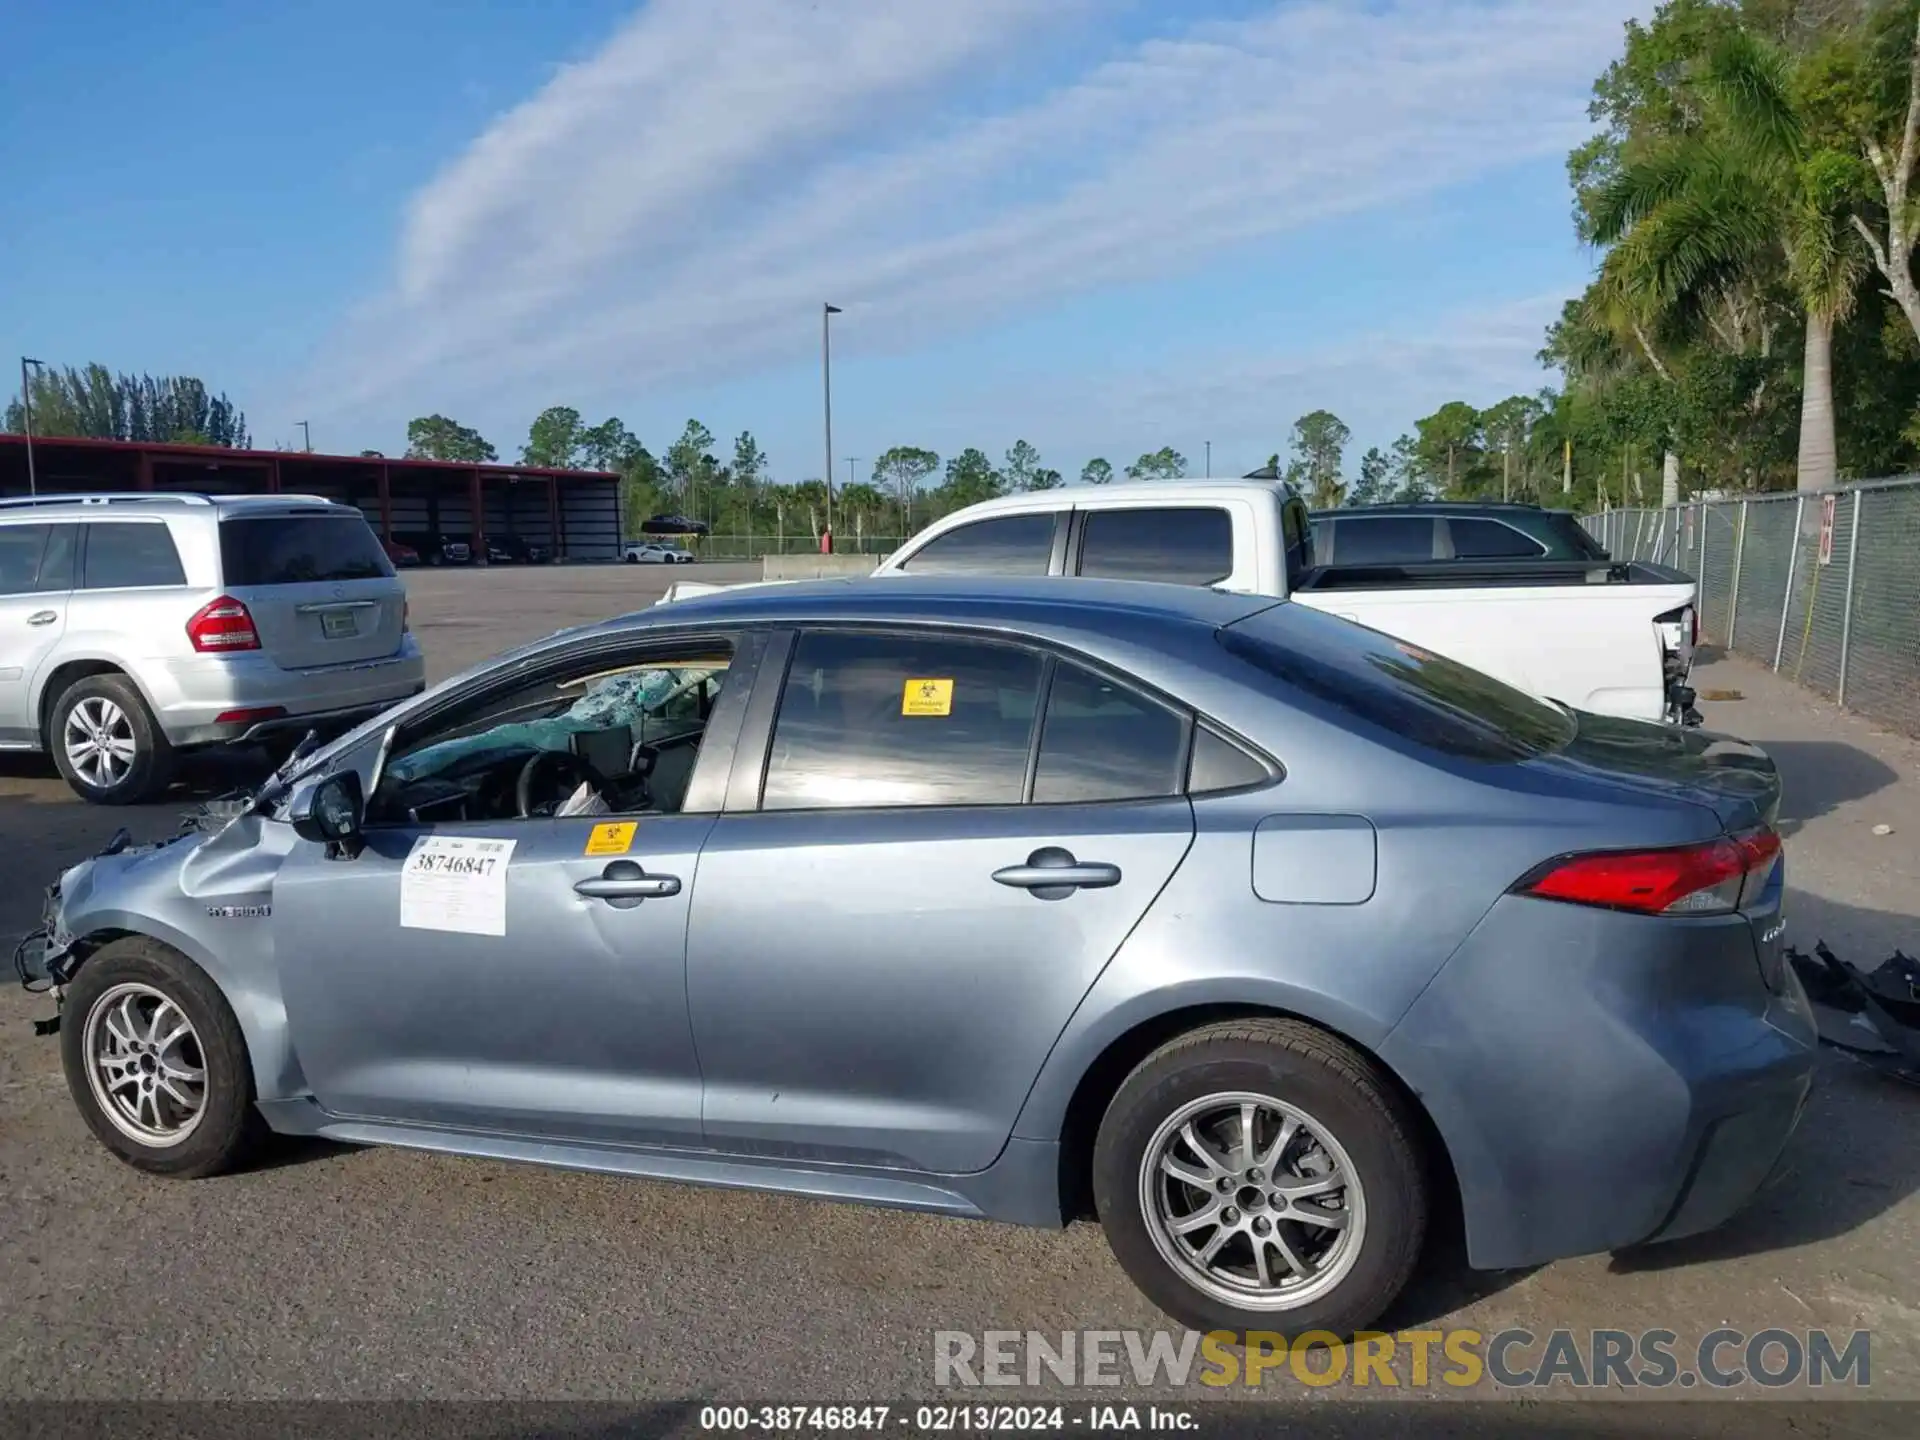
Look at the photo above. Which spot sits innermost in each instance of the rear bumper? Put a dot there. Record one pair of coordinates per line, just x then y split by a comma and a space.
189, 696
1602, 1080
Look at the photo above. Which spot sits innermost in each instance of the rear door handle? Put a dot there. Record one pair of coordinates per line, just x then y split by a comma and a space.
43, 617
1052, 873
623, 884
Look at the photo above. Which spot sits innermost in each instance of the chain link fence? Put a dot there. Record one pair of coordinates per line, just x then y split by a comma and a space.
1822, 587
755, 547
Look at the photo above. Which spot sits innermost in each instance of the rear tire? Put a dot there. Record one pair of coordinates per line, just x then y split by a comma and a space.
1314, 1223
140, 1021
106, 744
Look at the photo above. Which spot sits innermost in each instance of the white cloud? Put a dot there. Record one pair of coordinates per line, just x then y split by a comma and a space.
675, 208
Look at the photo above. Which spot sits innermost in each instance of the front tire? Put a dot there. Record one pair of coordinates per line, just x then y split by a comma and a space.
106, 744
156, 1062
1262, 1175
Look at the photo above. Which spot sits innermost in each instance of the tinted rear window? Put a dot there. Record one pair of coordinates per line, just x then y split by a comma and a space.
1388, 540
1490, 540
1400, 688
1183, 545
299, 550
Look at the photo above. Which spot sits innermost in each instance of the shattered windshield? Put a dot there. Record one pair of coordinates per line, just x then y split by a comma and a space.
641, 698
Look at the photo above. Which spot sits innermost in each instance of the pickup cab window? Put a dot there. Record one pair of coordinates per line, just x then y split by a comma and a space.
1003, 545
1174, 544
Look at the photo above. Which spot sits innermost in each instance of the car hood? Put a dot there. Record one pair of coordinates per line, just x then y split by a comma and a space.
1736, 780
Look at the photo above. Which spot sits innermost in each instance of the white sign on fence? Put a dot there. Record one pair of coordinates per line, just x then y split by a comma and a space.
1827, 505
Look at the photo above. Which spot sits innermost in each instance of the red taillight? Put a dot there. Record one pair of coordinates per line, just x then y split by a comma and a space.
220, 625
1710, 879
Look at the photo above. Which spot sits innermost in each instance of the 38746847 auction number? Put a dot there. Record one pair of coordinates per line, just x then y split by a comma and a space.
763, 1419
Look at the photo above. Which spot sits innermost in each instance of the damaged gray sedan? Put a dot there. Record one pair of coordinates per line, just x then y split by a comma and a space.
1255, 933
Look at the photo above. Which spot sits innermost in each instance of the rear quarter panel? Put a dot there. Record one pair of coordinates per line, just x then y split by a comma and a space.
1451, 839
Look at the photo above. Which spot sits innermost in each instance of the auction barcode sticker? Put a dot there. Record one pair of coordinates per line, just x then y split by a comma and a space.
456, 882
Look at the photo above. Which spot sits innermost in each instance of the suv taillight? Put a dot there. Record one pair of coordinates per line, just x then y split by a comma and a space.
220, 625
1716, 878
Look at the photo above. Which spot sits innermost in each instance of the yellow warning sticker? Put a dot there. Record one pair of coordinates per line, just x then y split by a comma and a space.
614, 837
927, 697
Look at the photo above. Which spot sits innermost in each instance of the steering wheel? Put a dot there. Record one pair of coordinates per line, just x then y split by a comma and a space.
567, 771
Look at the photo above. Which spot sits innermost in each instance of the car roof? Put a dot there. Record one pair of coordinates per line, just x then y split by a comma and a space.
148, 503
1102, 605
1510, 508
1169, 492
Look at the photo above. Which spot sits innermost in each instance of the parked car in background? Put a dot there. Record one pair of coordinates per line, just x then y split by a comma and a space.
1427, 531
652, 552
1260, 935
399, 553
135, 627
434, 549
513, 550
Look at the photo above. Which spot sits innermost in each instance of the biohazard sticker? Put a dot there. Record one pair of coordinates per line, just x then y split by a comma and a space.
927, 697
614, 837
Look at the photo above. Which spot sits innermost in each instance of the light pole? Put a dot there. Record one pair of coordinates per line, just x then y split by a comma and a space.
827, 312
1209, 459
26, 409
307, 432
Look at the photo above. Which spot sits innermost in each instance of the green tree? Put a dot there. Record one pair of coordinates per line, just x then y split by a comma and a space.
1045, 479
1166, 463
95, 403
1096, 471
970, 478
1508, 428
1319, 444
553, 440
690, 466
1740, 191
1451, 450
1023, 463
435, 437
1376, 479
900, 472
749, 461
607, 446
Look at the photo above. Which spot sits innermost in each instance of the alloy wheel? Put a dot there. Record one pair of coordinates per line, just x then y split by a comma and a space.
99, 741
145, 1065
1253, 1201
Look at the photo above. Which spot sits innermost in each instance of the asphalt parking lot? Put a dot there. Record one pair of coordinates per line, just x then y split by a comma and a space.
334, 1272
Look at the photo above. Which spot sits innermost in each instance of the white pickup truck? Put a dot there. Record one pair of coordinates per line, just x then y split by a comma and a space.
1600, 635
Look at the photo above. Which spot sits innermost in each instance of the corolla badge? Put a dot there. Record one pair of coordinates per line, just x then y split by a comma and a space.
1773, 932
239, 912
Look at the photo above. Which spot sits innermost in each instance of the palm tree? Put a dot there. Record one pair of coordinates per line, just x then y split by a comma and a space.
1742, 197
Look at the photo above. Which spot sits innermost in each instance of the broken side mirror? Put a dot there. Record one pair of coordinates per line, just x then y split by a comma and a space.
330, 812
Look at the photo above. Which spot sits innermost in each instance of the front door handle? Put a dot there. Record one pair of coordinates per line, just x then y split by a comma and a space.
43, 617
1052, 873
623, 884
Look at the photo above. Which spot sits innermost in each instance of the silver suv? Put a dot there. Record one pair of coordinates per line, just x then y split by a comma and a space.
136, 626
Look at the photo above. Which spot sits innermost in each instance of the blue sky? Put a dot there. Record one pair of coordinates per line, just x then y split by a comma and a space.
1100, 225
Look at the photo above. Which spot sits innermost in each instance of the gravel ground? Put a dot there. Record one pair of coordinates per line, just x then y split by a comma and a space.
340, 1273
